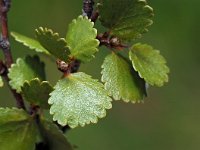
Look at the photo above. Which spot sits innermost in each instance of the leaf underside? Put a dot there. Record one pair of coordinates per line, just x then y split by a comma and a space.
127, 19
121, 81
78, 100
81, 39
25, 69
53, 43
149, 63
29, 42
37, 92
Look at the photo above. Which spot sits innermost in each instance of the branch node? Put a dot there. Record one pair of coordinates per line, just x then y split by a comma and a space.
4, 44
111, 42
6, 6
68, 67
88, 8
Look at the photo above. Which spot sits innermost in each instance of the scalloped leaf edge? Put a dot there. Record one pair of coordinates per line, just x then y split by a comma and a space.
139, 73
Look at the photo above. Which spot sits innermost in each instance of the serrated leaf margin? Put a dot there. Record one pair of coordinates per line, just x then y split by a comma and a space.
38, 48
63, 123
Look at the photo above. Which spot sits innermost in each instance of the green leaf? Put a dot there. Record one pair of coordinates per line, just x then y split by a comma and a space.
17, 130
25, 69
81, 39
53, 43
1, 82
78, 100
149, 63
121, 81
29, 42
53, 136
126, 19
12, 115
37, 92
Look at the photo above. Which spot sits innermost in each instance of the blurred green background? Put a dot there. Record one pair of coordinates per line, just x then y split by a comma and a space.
170, 117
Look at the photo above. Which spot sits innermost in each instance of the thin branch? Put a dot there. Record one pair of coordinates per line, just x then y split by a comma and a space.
5, 46
4, 41
18, 97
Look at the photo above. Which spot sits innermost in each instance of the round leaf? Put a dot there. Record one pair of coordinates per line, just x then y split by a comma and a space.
25, 69
81, 39
78, 100
126, 19
149, 63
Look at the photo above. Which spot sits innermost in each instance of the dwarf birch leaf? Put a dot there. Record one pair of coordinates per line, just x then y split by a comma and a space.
25, 69
1, 82
17, 127
121, 81
29, 42
78, 100
149, 63
126, 19
81, 39
37, 92
53, 136
53, 43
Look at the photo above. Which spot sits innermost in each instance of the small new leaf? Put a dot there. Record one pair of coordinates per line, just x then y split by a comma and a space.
1, 82
126, 19
37, 92
53, 43
78, 100
53, 136
25, 69
16, 127
149, 63
121, 81
29, 42
81, 39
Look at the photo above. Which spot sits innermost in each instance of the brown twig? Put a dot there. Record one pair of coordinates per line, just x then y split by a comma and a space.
5, 46
95, 16
18, 97
71, 67
111, 42
4, 42
88, 8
